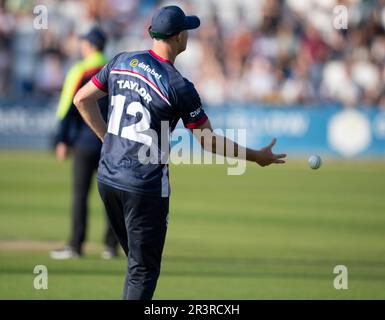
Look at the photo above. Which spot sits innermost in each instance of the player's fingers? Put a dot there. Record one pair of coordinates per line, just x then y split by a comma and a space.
279, 161
280, 155
272, 143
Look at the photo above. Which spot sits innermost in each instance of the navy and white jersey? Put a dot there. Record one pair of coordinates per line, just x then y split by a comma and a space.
144, 91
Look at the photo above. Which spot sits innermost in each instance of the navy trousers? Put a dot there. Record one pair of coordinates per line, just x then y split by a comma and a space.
140, 224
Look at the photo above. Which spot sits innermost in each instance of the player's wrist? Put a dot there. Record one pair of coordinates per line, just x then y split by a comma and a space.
252, 155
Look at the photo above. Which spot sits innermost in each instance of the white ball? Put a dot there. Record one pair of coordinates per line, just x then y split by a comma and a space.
314, 161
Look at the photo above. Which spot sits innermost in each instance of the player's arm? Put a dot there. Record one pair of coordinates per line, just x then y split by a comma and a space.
86, 100
215, 143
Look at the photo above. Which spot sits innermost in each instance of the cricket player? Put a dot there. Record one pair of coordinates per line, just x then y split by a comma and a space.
145, 89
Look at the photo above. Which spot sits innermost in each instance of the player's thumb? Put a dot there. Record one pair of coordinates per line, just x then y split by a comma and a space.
272, 143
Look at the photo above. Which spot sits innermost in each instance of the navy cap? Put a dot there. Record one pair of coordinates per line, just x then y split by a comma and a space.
169, 21
96, 36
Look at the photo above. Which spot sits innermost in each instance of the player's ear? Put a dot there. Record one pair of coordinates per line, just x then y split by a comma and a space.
179, 37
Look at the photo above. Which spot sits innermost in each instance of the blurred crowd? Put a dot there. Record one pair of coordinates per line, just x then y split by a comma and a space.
254, 52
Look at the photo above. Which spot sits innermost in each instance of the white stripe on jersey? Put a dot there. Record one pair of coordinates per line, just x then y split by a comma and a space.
143, 78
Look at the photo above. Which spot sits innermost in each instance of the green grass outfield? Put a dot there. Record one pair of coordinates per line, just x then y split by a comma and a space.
273, 233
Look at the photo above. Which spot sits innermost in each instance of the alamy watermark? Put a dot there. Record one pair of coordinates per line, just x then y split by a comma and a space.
340, 17
40, 22
208, 147
40, 282
341, 280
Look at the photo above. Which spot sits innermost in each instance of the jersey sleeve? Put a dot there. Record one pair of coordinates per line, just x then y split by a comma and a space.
100, 80
189, 106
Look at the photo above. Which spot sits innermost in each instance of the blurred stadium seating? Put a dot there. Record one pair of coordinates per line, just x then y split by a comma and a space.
280, 52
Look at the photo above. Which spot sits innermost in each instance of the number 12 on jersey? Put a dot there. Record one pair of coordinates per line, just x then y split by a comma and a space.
133, 131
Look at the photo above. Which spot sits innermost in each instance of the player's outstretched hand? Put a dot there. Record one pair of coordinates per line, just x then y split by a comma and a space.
266, 157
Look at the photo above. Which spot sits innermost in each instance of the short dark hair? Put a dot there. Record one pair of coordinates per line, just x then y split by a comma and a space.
160, 36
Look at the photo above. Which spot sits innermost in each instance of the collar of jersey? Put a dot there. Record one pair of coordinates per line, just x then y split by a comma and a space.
159, 57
